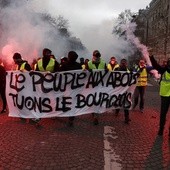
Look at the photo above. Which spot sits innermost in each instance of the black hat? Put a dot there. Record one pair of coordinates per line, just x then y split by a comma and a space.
96, 53
46, 51
72, 56
17, 56
123, 60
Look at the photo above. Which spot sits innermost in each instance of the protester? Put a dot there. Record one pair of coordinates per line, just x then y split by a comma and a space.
33, 64
82, 61
124, 67
141, 85
96, 63
84, 66
71, 64
164, 91
112, 66
63, 60
22, 65
47, 63
3, 87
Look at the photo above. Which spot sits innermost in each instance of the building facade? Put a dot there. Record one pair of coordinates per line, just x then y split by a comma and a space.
153, 28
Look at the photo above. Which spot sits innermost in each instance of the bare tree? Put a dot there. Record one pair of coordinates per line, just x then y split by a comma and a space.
123, 19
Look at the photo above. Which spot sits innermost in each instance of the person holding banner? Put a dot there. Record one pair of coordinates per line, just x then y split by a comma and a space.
22, 65
113, 66
84, 66
71, 64
123, 67
96, 63
3, 87
45, 64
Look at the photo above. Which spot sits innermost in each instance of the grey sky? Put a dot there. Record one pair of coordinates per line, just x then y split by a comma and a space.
87, 16
91, 21
92, 12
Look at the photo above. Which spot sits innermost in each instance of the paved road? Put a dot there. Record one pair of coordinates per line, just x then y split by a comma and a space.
112, 145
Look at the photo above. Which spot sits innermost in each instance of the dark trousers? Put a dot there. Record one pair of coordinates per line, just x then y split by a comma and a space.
165, 102
139, 91
126, 113
3, 96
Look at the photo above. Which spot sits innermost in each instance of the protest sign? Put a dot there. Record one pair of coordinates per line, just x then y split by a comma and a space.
42, 94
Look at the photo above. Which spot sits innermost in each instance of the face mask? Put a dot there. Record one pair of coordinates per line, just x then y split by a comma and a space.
112, 61
124, 64
96, 59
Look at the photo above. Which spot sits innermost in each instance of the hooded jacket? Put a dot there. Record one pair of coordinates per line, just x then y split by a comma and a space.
71, 64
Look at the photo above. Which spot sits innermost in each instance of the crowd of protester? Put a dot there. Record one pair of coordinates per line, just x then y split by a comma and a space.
49, 63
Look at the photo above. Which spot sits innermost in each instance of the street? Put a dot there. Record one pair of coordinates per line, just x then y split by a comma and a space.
112, 145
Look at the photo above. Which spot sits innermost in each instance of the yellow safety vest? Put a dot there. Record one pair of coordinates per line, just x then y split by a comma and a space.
142, 79
93, 66
49, 67
110, 67
83, 67
165, 85
35, 66
22, 67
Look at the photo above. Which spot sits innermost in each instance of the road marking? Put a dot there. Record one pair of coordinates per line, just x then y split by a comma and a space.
111, 159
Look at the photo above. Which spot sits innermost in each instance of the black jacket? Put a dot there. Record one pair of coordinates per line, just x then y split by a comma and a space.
27, 66
2, 76
45, 63
70, 65
158, 67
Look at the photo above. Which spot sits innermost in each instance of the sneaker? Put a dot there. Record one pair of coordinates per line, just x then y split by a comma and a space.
116, 114
3, 111
38, 126
95, 121
141, 110
23, 120
33, 121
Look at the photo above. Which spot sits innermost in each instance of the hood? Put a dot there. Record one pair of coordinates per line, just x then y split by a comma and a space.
72, 56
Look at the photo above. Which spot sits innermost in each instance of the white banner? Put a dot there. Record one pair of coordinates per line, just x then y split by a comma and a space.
40, 95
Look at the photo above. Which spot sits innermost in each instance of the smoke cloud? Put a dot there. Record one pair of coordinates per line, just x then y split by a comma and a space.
23, 31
